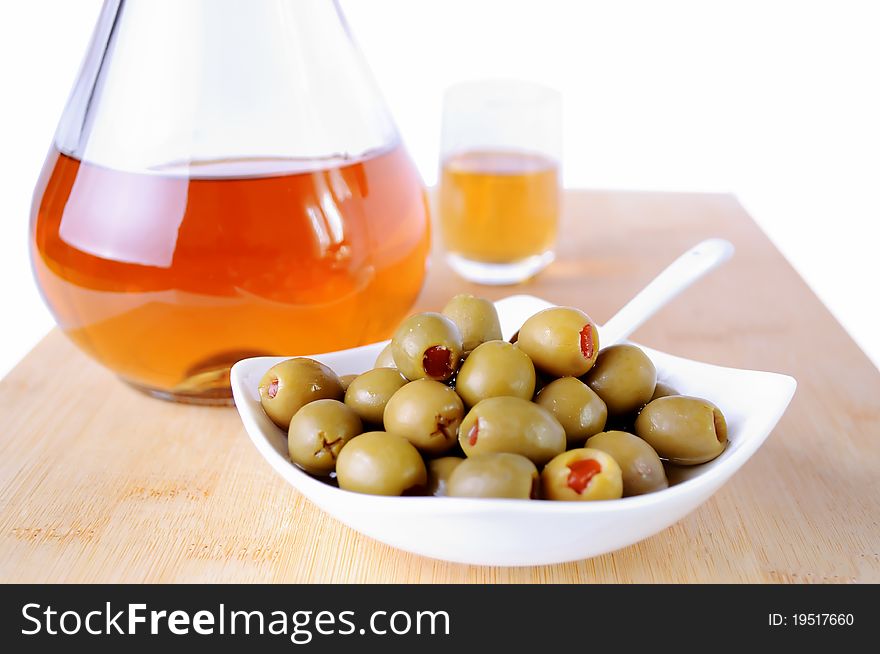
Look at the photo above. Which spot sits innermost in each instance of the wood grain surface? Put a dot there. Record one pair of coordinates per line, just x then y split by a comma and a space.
99, 483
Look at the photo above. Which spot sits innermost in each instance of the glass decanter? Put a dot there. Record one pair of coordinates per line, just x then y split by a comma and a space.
225, 182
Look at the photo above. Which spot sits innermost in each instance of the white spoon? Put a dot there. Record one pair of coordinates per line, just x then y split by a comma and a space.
680, 274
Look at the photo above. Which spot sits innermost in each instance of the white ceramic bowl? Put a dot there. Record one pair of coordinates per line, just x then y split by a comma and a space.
524, 532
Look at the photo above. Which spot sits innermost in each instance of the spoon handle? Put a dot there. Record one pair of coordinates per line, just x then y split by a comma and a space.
680, 274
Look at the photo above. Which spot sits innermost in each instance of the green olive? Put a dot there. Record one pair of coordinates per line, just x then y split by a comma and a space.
427, 413
439, 471
379, 463
560, 341
317, 433
476, 319
641, 467
291, 384
497, 474
685, 430
582, 475
578, 409
495, 369
624, 377
511, 424
427, 345
345, 381
369, 393
663, 390
385, 358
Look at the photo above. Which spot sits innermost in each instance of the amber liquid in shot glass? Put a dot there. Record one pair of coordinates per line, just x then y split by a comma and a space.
499, 207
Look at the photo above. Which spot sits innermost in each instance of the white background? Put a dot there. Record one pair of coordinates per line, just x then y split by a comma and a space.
778, 102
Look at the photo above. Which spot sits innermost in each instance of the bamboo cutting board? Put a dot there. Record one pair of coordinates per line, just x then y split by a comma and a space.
101, 484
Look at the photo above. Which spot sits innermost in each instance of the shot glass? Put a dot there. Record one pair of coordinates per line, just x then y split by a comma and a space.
499, 193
